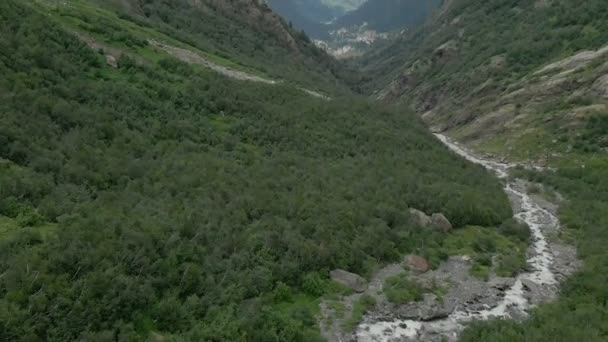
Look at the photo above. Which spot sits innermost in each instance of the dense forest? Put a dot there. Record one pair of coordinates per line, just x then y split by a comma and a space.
159, 199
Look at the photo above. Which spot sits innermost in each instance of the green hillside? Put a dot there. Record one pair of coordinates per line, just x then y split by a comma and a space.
147, 197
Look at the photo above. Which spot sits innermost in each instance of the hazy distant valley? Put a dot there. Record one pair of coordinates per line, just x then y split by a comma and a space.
347, 29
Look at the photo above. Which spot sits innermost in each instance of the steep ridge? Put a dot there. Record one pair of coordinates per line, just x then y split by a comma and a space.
485, 71
389, 15
306, 15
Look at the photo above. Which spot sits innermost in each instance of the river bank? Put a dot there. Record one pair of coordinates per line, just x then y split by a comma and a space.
469, 298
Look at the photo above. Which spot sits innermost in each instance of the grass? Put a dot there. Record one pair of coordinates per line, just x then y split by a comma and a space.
402, 290
7, 226
360, 307
93, 21
490, 249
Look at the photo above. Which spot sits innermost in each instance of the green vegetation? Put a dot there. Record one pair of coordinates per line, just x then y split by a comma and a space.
507, 244
360, 307
243, 32
526, 33
400, 289
159, 198
580, 313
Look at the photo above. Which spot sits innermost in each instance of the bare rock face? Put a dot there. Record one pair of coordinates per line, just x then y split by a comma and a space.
446, 51
416, 263
111, 61
441, 222
351, 280
600, 86
431, 307
420, 218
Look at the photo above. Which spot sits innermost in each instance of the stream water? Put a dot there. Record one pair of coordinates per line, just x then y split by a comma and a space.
515, 302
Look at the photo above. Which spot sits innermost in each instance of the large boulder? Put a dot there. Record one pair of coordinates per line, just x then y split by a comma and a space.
430, 308
441, 222
421, 219
416, 263
353, 281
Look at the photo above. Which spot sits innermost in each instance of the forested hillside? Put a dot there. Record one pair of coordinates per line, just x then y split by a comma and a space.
245, 32
145, 198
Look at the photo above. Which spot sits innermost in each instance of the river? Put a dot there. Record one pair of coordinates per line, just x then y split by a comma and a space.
515, 302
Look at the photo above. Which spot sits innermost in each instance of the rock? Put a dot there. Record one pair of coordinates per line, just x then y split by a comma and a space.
498, 62
156, 337
446, 51
111, 61
420, 218
429, 308
600, 86
529, 285
441, 222
416, 263
350, 280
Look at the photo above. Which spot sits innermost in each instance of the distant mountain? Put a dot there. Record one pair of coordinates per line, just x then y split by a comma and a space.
388, 15
306, 15
345, 5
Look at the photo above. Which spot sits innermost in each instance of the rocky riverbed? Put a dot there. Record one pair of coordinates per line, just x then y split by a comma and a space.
468, 298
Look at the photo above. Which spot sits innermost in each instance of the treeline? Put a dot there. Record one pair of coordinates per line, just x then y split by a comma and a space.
157, 198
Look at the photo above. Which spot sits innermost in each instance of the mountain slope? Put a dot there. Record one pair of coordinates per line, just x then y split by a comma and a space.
485, 70
246, 32
389, 15
306, 15
344, 5
145, 198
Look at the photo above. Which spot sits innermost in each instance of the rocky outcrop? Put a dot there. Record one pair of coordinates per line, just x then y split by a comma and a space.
441, 222
420, 218
437, 221
351, 280
431, 307
111, 61
446, 51
416, 263
600, 86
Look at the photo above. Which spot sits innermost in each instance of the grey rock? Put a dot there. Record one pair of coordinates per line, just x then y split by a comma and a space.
351, 280
600, 86
420, 218
441, 222
428, 309
111, 61
416, 263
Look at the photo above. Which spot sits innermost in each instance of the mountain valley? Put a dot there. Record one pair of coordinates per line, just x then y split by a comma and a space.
323, 170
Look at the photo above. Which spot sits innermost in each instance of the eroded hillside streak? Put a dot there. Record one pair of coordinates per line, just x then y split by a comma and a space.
516, 302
